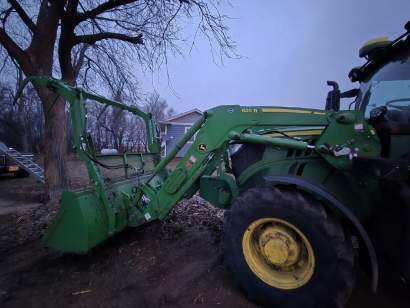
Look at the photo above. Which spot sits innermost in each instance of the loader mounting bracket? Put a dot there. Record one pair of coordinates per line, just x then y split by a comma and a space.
218, 190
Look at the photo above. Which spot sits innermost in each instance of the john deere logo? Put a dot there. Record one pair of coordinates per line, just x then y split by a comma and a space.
202, 147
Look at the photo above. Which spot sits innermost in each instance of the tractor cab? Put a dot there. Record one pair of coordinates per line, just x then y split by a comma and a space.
385, 101
384, 93
387, 91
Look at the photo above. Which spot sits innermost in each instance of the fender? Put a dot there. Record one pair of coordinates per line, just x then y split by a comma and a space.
334, 204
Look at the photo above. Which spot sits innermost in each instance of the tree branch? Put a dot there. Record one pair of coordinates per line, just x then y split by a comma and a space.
80, 60
23, 15
104, 7
6, 14
93, 38
66, 42
14, 51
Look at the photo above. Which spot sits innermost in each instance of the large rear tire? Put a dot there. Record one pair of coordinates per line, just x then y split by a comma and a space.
284, 250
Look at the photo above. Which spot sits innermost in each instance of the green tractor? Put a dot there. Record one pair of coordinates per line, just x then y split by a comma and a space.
305, 190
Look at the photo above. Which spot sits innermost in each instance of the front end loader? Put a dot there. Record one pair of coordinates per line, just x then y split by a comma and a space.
305, 190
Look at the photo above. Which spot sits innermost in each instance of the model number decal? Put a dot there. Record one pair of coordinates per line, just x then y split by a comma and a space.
249, 110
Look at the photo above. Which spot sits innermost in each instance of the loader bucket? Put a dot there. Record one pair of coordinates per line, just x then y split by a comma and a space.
80, 224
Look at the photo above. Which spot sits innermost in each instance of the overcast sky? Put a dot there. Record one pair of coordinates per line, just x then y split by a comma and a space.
289, 49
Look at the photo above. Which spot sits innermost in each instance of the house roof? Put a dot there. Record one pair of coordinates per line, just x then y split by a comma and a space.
181, 115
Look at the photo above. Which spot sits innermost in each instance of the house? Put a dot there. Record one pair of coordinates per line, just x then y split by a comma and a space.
175, 127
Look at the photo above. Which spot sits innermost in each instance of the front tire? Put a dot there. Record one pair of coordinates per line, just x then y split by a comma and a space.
284, 250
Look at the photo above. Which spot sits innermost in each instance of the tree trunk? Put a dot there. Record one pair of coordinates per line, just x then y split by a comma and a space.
25, 147
55, 143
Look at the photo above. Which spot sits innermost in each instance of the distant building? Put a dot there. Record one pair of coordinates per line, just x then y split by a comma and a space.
175, 127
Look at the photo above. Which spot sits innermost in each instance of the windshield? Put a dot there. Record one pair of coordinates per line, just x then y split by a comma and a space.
389, 87
395, 95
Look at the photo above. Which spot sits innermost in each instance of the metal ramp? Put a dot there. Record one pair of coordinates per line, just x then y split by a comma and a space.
24, 162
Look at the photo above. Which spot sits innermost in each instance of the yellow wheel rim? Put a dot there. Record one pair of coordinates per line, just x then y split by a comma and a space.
278, 253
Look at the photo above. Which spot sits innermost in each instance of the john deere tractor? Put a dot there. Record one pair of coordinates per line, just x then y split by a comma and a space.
306, 191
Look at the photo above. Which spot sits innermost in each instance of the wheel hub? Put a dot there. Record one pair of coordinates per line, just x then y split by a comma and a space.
279, 246
278, 253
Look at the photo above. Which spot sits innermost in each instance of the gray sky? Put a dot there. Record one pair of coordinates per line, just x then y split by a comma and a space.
289, 48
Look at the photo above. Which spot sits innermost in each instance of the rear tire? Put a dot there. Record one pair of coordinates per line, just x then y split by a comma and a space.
332, 279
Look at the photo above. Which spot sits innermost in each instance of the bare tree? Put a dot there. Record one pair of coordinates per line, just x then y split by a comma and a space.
21, 126
114, 128
158, 107
73, 38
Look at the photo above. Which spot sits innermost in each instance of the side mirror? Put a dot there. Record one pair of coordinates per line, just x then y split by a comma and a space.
333, 97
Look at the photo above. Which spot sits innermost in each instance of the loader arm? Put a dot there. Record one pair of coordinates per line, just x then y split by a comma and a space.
343, 135
215, 131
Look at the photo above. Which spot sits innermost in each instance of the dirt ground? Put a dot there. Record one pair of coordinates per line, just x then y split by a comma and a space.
174, 263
